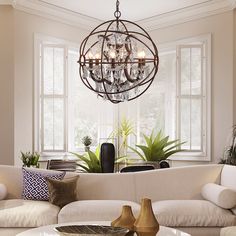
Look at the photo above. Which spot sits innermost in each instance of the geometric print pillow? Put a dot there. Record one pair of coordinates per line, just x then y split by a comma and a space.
35, 185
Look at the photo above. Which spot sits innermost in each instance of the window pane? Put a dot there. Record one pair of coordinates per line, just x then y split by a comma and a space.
48, 124
88, 115
196, 70
196, 124
157, 105
58, 70
53, 67
185, 70
58, 124
53, 124
185, 123
48, 70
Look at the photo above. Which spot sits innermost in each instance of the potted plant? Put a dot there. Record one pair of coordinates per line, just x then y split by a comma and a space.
125, 129
86, 140
230, 153
157, 149
30, 159
90, 161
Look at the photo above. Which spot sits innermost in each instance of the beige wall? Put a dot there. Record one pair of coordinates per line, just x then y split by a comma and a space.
234, 66
221, 28
6, 86
25, 27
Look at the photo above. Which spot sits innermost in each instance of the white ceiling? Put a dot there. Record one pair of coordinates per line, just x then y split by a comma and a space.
131, 9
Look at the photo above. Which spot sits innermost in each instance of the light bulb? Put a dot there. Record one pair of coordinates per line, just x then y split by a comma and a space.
141, 54
90, 55
97, 56
112, 54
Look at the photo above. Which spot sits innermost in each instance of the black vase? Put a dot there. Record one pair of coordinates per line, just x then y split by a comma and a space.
107, 157
164, 164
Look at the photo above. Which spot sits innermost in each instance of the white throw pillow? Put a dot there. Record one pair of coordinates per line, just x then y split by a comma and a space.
3, 191
221, 196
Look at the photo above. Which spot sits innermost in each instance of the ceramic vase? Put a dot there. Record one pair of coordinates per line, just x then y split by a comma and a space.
107, 157
146, 223
126, 219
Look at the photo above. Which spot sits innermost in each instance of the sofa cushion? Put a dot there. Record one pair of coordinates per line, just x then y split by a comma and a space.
3, 191
228, 231
187, 213
94, 210
35, 185
27, 213
62, 192
220, 195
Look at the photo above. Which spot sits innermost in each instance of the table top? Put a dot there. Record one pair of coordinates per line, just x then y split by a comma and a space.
49, 229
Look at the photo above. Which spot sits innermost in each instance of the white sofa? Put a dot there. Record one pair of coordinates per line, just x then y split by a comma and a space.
175, 193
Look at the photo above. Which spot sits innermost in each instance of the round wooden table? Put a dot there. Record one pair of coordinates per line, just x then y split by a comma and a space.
49, 229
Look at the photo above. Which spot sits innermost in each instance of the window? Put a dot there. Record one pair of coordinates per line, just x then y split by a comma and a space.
178, 101
65, 111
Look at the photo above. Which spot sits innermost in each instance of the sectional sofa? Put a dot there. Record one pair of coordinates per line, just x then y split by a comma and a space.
175, 193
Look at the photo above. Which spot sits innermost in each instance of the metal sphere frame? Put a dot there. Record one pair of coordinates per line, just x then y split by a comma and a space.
103, 61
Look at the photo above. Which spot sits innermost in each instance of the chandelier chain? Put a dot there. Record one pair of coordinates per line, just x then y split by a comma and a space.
117, 13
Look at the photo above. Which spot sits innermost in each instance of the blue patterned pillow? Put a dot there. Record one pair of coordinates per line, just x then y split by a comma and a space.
35, 184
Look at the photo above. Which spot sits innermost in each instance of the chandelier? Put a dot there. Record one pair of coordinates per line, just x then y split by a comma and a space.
116, 63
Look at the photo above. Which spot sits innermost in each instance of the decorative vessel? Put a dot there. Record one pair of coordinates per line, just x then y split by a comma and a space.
146, 223
126, 219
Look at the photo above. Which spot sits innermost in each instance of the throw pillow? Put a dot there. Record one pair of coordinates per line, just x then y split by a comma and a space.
35, 184
221, 196
3, 191
62, 192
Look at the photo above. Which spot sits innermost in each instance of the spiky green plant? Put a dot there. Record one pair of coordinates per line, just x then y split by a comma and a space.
123, 131
90, 161
157, 147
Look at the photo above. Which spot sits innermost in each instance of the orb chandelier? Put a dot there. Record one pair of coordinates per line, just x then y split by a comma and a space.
116, 63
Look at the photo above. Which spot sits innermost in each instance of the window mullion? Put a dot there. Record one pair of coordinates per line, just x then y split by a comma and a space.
65, 101
190, 101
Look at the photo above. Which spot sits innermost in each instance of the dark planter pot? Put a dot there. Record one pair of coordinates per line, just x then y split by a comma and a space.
164, 164
107, 157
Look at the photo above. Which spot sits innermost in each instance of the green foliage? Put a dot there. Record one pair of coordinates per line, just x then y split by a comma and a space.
30, 159
90, 161
230, 154
125, 129
157, 148
86, 140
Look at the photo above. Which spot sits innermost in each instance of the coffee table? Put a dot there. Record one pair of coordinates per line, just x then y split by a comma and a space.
49, 229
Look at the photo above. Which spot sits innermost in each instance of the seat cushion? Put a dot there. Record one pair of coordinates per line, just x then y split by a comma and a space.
27, 213
94, 210
187, 213
228, 231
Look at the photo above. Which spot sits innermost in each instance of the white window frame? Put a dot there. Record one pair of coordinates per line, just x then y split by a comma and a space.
40, 39
64, 97
205, 153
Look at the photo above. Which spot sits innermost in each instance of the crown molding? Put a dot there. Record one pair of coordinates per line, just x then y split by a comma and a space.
5, 2
56, 13
188, 14
62, 15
